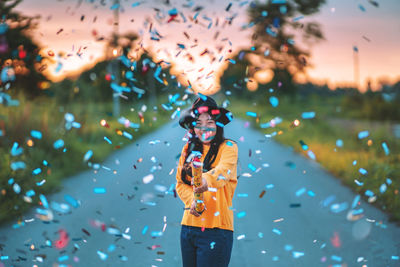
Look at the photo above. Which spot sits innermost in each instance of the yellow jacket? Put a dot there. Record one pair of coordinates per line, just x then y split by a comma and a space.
221, 180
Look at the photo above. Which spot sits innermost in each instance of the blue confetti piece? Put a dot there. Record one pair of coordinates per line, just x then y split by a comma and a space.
76, 125
278, 1
328, 200
10, 181
251, 114
1, 133
220, 124
203, 97
88, 155
3, 258
127, 135
311, 154
361, 7
232, 61
242, 195
363, 171
18, 225
229, 143
264, 13
17, 165
298, 18
36, 134
383, 188
145, 230
156, 233
241, 214
212, 244
308, 115
63, 258
274, 101
337, 208
396, 258
195, 15
336, 258
216, 213
359, 211
45, 163
388, 181
16, 150
288, 247
115, 6
44, 201
135, 4
30, 193
260, 235
363, 134
355, 201
269, 186
297, 254
276, 231
385, 148
103, 256
58, 144
173, 12
339, 143
111, 248
40, 183
108, 140
17, 188
36, 171
369, 193
358, 182
72, 201
61, 208
311, 193
99, 190
354, 162
300, 191
252, 167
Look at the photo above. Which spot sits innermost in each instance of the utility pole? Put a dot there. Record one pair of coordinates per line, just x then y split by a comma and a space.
356, 67
115, 60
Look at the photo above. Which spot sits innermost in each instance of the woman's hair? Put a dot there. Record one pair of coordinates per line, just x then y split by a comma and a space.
194, 144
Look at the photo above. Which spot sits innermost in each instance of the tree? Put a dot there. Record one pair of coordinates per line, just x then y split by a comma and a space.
19, 58
276, 25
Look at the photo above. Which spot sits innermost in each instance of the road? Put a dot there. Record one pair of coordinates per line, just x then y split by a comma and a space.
138, 224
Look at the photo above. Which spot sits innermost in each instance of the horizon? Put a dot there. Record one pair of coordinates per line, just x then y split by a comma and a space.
344, 25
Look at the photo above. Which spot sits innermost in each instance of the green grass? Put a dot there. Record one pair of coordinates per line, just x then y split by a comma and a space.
48, 117
321, 133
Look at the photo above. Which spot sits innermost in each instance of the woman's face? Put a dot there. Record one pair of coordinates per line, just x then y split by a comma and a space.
205, 128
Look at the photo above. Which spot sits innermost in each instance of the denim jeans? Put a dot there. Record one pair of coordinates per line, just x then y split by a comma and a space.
210, 248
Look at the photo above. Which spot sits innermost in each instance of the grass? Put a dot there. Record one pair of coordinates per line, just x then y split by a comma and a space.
321, 134
47, 116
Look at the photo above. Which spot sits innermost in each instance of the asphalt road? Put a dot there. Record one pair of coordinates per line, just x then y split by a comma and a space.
138, 224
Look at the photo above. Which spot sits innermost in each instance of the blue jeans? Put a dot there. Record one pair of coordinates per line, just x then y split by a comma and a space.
210, 248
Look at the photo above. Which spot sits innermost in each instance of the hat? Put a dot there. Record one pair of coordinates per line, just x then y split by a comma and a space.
201, 105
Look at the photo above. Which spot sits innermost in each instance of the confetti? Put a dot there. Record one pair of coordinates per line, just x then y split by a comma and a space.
274, 101
58, 144
385, 148
308, 115
262, 194
251, 114
99, 190
363, 134
148, 178
276, 231
241, 214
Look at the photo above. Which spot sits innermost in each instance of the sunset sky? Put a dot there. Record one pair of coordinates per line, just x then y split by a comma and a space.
375, 31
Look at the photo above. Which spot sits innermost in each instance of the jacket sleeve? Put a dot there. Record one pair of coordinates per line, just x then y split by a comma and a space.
184, 191
224, 172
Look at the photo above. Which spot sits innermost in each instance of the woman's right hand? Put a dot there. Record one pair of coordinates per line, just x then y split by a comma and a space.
193, 209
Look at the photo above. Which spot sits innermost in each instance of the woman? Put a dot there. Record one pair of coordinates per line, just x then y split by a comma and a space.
207, 237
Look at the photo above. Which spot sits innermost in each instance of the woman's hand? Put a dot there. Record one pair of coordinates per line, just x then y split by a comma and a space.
193, 209
203, 188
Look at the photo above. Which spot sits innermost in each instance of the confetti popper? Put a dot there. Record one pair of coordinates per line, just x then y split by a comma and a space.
197, 168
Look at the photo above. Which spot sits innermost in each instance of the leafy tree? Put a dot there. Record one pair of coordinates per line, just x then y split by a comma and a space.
277, 26
19, 58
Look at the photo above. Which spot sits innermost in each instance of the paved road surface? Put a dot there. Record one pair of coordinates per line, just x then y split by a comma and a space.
272, 232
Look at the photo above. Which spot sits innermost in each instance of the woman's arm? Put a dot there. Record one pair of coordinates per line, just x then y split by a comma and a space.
224, 171
184, 191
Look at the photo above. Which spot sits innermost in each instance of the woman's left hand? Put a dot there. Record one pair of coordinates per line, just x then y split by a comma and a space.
203, 188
